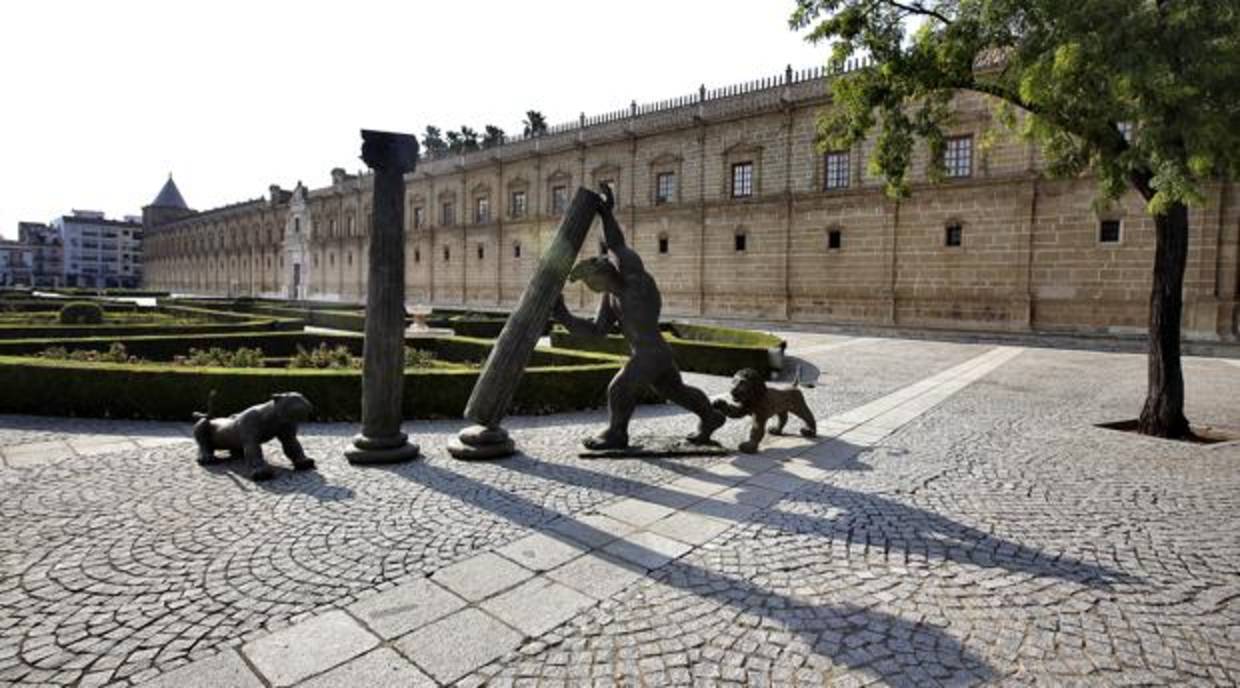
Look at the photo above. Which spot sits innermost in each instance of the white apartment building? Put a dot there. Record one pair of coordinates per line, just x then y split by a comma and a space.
99, 252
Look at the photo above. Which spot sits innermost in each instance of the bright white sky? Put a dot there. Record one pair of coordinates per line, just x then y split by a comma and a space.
102, 99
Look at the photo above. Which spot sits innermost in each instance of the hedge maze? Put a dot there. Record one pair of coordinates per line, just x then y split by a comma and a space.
162, 361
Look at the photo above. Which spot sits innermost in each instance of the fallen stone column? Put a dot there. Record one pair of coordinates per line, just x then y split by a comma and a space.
492, 394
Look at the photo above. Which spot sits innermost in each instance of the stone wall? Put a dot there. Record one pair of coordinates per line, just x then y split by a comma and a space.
1030, 255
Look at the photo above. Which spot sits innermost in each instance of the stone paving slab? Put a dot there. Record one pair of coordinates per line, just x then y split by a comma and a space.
537, 605
481, 576
591, 530
382, 667
540, 552
224, 669
690, 528
647, 550
308, 648
453, 647
408, 606
637, 512
597, 575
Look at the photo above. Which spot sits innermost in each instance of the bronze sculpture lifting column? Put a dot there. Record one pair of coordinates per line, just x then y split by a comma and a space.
390, 155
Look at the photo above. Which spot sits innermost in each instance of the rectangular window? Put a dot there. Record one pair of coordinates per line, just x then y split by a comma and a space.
559, 199
836, 173
663, 244
516, 250
664, 188
1108, 231
447, 215
742, 179
447, 254
516, 208
482, 252
419, 218
834, 239
739, 241
953, 235
482, 210
958, 157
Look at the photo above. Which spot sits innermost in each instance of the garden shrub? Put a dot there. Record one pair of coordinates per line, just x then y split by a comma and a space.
338, 358
81, 313
115, 354
217, 357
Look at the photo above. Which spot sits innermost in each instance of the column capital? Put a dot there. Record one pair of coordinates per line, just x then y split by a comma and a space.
389, 151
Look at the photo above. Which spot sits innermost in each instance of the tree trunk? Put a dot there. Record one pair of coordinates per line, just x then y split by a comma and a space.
1163, 414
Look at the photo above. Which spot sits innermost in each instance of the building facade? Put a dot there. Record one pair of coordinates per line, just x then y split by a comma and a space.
47, 253
99, 252
16, 264
736, 214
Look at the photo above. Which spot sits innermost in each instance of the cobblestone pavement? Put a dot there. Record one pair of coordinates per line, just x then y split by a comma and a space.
967, 526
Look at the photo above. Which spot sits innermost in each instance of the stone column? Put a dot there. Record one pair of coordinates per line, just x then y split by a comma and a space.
383, 374
488, 403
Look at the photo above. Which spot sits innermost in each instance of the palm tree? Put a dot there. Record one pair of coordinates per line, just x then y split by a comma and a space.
535, 123
469, 139
493, 137
433, 142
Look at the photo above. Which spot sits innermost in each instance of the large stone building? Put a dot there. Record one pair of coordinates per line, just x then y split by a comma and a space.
736, 214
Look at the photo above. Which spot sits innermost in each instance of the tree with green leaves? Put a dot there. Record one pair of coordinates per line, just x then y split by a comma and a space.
492, 136
433, 143
535, 123
1142, 94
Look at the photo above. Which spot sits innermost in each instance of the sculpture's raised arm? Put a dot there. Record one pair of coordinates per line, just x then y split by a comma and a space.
613, 235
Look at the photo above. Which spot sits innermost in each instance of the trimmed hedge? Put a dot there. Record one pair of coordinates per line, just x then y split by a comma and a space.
698, 348
80, 313
556, 381
219, 322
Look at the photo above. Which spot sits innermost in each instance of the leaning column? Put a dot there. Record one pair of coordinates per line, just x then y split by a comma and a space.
390, 156
501, 374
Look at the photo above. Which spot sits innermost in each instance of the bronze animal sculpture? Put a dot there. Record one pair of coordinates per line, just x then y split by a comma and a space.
752, 396
631, 299
243, 434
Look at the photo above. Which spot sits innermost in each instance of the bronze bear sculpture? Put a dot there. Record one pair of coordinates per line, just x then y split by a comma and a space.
751, 396
243, 434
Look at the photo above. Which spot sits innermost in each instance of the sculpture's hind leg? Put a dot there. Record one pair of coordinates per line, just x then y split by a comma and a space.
781, 419
803, 412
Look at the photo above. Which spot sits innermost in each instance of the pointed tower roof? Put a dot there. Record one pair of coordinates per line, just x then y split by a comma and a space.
170, 196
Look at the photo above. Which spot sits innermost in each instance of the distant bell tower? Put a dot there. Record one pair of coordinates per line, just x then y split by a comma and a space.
168, 206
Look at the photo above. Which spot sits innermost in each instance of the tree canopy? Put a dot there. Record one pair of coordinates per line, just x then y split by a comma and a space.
535, 123
1141, 92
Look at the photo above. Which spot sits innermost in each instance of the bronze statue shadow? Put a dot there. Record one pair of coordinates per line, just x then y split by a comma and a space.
286, 481
824, 627
832, 513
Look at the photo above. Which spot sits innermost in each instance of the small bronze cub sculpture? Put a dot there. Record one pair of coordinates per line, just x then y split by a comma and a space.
753, 397
243, 434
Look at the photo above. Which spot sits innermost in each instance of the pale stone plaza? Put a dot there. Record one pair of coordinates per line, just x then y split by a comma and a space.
959, 521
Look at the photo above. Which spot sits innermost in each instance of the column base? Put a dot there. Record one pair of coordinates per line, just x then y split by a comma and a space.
480, 443
370, 451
